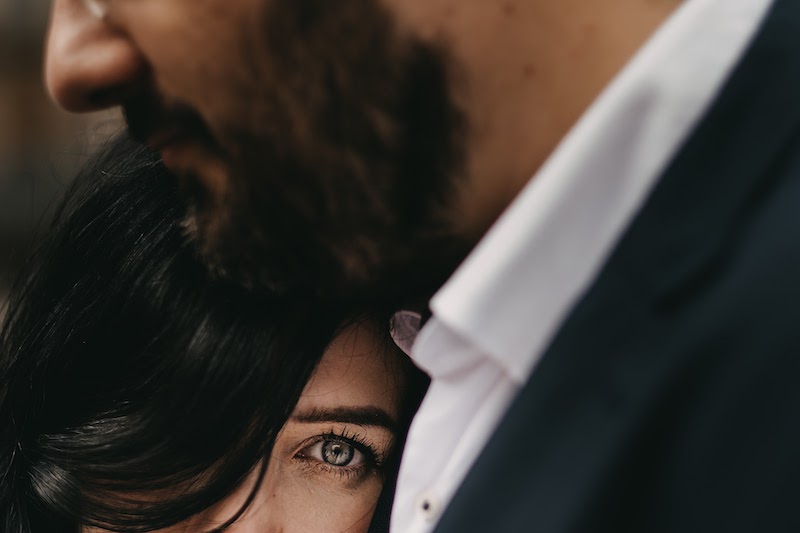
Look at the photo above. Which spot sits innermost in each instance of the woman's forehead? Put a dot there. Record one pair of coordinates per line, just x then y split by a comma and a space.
357, 369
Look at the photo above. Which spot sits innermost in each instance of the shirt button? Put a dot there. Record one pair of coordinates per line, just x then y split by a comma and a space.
430, 506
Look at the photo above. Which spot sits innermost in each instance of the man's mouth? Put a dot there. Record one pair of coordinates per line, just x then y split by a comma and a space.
170, 143
160, 140
159, 125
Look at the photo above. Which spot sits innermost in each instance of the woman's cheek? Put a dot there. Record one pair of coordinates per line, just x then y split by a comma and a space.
298, 502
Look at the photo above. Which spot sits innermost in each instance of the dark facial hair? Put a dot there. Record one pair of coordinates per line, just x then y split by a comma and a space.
346, 164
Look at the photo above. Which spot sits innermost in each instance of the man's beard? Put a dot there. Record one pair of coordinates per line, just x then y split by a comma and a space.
340, 180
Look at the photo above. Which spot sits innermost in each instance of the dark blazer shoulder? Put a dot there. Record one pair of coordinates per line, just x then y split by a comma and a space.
668, 400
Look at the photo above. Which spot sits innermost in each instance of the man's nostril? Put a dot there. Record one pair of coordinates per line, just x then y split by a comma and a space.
108, 96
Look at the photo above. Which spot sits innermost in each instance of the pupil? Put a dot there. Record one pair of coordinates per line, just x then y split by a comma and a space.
337, 453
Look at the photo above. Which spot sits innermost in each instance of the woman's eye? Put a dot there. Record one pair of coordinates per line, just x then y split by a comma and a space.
334, 452
337, 453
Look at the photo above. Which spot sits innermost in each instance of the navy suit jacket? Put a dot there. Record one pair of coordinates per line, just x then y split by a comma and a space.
670, 399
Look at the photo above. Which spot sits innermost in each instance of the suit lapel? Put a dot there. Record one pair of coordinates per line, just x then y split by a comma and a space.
724, 163
597, 385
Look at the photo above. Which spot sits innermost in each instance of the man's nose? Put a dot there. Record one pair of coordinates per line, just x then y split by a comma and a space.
89, 64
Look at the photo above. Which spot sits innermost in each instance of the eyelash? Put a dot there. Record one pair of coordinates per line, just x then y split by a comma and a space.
372, 459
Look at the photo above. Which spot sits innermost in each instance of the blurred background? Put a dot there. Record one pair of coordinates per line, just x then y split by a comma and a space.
40, 146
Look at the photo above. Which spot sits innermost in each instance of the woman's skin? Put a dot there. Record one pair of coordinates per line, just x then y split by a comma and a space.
324, 474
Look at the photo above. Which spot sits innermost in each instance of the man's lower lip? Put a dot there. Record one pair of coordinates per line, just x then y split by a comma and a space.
168, 156
159, 142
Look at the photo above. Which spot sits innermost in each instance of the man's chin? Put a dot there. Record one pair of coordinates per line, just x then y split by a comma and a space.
386, 281
233, 253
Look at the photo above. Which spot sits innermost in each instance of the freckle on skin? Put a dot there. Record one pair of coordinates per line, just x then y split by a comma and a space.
509, 8
529, 71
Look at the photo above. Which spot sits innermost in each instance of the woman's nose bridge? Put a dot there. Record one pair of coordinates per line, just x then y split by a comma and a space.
88, 62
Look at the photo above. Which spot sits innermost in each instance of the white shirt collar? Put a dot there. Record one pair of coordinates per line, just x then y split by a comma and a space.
514, 290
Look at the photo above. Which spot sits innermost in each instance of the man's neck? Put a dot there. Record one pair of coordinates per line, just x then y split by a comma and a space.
530, 69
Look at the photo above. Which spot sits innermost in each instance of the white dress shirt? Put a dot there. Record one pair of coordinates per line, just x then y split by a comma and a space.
495, 317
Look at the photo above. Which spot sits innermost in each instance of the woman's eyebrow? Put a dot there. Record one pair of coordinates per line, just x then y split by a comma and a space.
361, 416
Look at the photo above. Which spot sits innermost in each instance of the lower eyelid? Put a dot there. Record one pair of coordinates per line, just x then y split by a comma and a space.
315, 468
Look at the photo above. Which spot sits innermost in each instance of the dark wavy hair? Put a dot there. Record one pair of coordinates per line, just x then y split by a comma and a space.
125, 369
